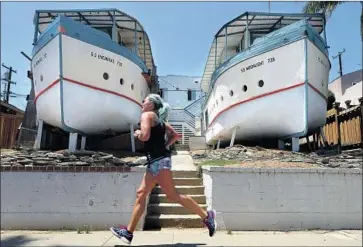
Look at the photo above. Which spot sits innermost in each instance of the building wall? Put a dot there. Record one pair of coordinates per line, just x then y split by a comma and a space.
178, 99
344, 89
284, 199
68, 199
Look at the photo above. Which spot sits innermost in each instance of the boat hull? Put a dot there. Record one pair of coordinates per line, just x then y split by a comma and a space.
83, 88
290, 103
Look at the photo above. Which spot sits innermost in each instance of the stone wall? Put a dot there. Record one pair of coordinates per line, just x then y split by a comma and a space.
61, 197
283, 198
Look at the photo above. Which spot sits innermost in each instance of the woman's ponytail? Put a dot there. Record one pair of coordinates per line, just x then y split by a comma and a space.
162, 107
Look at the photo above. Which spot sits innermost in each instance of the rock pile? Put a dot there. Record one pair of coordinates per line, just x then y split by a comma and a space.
323, 158
64, 158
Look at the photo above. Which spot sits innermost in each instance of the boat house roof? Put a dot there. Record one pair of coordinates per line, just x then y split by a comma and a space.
126, 25
256, 22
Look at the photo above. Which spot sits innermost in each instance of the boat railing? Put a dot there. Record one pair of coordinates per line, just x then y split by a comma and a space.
181, 115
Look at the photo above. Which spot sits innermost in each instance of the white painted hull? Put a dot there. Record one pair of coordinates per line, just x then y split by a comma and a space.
73, 94
288, 104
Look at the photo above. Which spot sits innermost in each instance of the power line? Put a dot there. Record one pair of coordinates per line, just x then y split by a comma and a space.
339, 55
7, 93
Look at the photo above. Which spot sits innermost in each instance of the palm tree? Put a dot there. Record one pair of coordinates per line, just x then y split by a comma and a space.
328, 8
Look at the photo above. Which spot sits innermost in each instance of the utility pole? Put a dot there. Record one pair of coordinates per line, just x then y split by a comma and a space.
8, 80
269, 6
339, 55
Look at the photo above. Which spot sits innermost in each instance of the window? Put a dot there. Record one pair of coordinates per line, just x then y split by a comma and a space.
105, 76
261, 83
192, 94
107, 30
132, 86
231, 93
121, 81
244, 88
161, 92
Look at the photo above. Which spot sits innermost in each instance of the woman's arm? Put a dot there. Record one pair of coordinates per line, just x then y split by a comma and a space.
173, 136
145, 125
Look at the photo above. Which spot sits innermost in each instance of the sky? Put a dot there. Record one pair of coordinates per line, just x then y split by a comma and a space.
180, 32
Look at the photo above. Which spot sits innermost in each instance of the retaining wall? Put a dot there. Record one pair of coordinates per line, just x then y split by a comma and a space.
51, 198
284, 199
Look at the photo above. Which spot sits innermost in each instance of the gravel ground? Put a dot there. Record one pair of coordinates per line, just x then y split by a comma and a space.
259, 157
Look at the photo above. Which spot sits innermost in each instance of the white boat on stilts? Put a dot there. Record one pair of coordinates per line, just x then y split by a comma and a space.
266, 77
91, 69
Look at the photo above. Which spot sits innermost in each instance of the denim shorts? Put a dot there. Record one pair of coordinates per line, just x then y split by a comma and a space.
156, 166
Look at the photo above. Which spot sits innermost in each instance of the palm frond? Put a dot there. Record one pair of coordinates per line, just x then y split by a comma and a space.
326, 7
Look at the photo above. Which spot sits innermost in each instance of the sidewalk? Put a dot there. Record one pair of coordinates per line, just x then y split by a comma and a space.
183, 238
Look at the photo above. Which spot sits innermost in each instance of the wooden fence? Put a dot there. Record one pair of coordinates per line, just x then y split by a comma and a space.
9, 126
344, 127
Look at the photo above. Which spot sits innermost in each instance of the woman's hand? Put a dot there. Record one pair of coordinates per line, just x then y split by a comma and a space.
137, 133
173, 136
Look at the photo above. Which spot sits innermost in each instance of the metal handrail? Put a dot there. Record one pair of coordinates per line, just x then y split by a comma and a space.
194, 105
181, 115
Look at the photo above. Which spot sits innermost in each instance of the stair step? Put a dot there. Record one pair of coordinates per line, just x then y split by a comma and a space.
187, 181
170, 220
184, 174
170, 208
161, 198
196, 190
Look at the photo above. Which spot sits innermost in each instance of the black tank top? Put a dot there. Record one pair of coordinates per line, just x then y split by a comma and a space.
155, 146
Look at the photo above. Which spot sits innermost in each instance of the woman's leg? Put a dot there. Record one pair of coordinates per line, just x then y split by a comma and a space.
144, 190
165, 180
126, 233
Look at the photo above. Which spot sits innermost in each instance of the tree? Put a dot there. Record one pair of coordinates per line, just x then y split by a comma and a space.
331, 100
328, 8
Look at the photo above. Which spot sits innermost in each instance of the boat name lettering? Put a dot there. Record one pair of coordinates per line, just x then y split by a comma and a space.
322, 62
258, 64
40, 59
105, 58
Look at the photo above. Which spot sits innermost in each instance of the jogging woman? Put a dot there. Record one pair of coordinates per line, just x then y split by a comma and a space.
153, 132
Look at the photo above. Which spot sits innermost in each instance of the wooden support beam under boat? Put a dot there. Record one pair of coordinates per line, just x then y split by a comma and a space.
295, 145
72, 143
233, 137
281, 144
38, 139
132, 138
83, 143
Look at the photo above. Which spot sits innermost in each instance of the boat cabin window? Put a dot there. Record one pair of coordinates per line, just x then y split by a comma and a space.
255, 36
119, 39
241, 46
107, 30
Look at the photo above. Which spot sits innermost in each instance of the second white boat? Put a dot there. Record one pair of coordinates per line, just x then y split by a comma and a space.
266, 77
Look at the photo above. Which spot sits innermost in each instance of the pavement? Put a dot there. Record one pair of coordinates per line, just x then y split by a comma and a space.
183, 238
182, 162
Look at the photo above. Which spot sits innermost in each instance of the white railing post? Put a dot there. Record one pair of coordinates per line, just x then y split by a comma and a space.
183, 133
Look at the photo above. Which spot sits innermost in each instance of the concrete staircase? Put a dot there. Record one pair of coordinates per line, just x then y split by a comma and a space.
162, 213
182, 147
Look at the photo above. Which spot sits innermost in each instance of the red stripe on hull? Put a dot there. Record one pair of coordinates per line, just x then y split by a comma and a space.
84, 85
